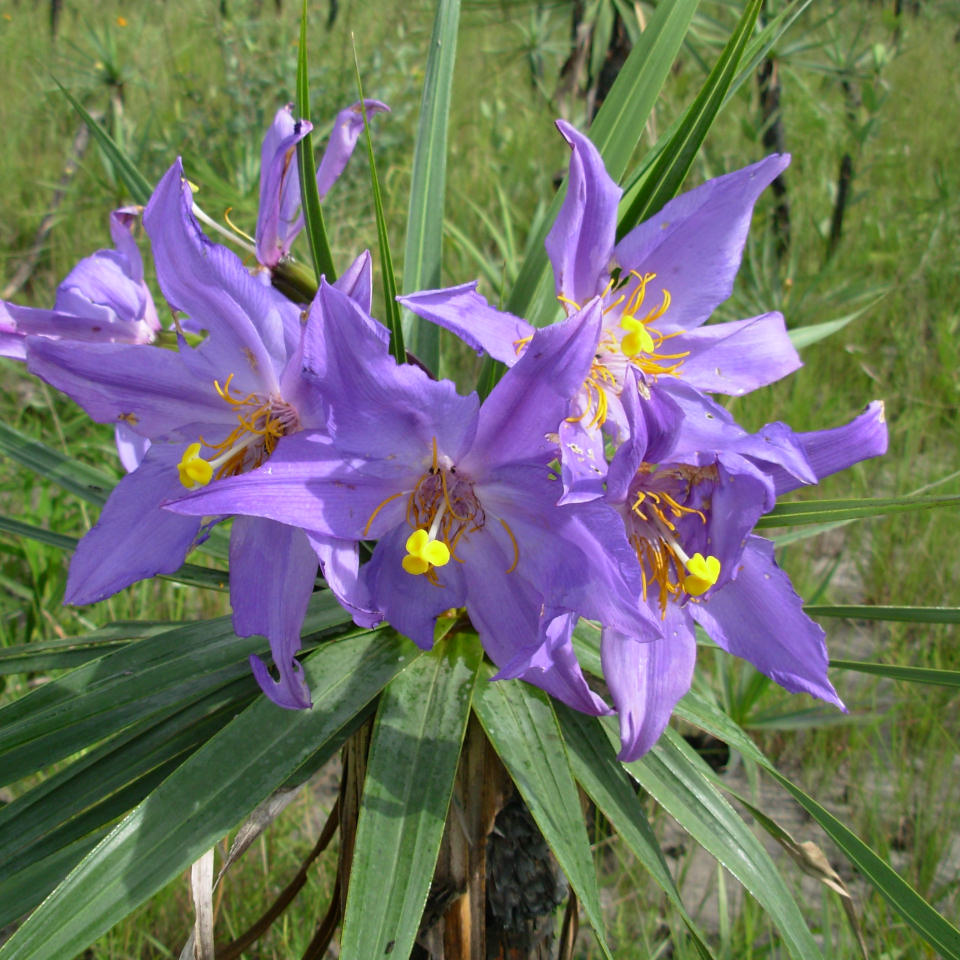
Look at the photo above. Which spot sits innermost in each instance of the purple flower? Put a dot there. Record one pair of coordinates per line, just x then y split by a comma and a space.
688, 518
460, 498
657, 287
280, 218
102, 299
209, 412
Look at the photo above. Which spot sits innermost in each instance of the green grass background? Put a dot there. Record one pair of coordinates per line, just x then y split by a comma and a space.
202, 80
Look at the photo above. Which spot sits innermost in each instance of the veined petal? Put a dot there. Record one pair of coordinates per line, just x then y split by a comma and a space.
357, 283
131, 447
758, 616
580, 243
252, 328
309, 483
647, 679
828, 451
518, 421
737, 357
695, 243
583, 464
377, 407
147, 388
272, 573
279, 186
463, 311
133, 539
340, 566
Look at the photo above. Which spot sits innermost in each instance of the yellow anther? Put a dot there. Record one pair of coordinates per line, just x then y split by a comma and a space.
424, 553
637, 338
703, 574
193, 469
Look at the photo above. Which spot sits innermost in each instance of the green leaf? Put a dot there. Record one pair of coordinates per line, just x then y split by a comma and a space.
307, 166
156, 675
71, 652
812, 333
422, 251
413, 757
391, 309
861, 611
665, 176
942, 935
189, 573
805, 512
520, 723
133, 179
671, 772
208, 795
601, 776
946, 678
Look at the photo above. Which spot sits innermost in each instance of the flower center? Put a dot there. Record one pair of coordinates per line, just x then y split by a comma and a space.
640, 341
261, 422
655, 512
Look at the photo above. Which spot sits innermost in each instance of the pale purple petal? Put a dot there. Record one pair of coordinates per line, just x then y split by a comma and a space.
133, 539
759, 616
580, 242
828, 451
279, 187
146, 387
519, 420
583, 464
737, 357
272, 573
647, 679
695, 243
340, 567
379, 408
357, 283
463, 311
131, 447
309, 483
252, 328
347, 127
536, 649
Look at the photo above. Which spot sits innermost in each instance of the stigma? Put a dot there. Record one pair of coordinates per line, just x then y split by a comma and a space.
261, 422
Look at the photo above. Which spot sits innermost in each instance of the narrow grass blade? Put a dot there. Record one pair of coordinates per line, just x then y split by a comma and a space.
414, 749
862, 611
676, 782
828, 511
133, 179
212, 792
391, 309
314, 226
189, 573
157, 675
802, 337
615, 132
521, 725
73, 651
666, 175
83, 481
595, 767
422, 251
945, 678
942, 935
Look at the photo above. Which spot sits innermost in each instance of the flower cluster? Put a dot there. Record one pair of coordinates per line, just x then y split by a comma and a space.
598, 480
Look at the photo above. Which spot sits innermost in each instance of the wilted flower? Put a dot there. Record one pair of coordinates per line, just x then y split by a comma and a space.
280, 218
